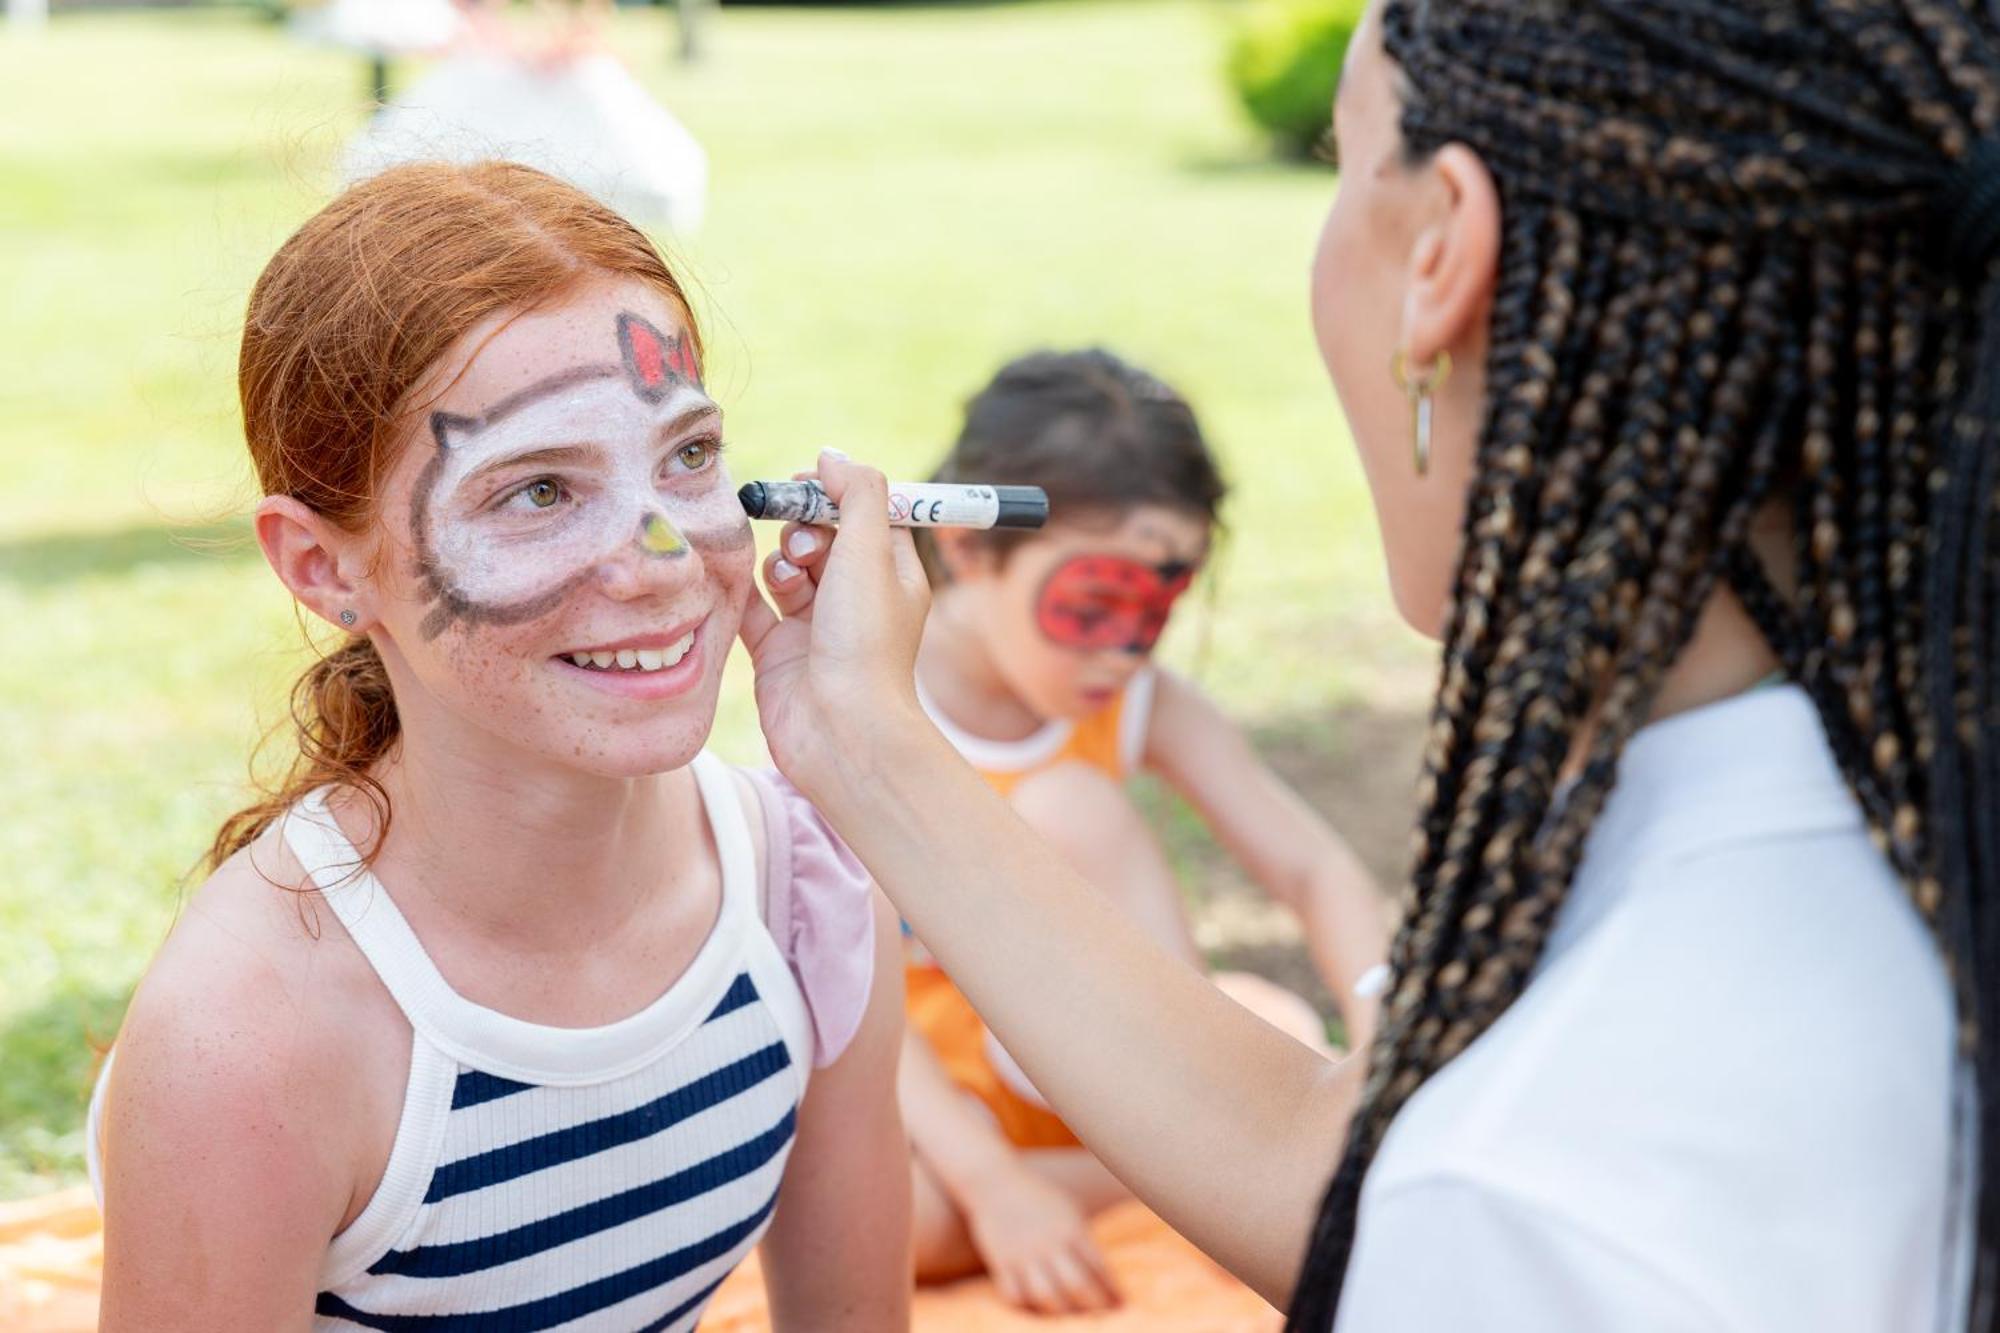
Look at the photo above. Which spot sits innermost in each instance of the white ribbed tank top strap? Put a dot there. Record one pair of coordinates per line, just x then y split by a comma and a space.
393, 1206
727, 824
363, 906
723, 796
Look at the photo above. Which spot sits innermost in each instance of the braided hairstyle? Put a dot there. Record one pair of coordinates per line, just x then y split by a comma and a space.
1744, 265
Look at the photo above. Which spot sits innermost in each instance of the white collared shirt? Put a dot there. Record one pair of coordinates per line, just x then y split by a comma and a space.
1725, 1100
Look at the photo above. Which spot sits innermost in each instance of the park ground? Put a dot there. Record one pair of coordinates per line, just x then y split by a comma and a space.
901, 198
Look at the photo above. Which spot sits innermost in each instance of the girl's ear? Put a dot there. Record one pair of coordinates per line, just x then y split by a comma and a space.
964, 553
318, 560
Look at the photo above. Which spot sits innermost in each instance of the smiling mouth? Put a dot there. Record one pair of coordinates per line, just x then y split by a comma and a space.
636, 660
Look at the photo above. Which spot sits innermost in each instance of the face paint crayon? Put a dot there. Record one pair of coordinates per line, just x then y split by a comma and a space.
911, 504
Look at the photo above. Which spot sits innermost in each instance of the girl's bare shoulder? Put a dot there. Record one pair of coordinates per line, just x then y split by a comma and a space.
257, 942
260, 1015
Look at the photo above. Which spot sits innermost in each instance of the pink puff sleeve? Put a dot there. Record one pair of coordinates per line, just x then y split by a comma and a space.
820, 910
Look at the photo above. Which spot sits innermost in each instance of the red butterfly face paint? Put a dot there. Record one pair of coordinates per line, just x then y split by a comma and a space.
654, 361
1098, 603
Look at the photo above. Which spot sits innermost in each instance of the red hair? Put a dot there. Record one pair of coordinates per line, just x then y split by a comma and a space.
343, 323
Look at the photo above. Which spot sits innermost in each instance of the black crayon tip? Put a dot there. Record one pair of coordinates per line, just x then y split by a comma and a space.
751, 496
1022, 507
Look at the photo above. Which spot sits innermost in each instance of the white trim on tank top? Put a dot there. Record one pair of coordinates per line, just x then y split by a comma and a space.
398, 1196
1040, 746
501, 1044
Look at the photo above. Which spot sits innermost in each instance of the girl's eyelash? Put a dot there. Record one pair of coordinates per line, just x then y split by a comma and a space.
512, 493
715, 444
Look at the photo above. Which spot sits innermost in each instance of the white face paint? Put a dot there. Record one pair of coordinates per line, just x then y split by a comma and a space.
525, 503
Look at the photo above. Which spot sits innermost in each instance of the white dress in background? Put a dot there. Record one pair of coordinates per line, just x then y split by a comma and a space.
586, 120
380, 27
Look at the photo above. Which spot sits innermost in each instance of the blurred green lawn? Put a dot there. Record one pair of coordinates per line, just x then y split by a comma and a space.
901, 198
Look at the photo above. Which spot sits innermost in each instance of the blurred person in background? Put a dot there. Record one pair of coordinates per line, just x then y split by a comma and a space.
1037, 665
1668, 335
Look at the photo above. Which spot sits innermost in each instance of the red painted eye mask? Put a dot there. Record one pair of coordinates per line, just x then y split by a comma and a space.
1098, 602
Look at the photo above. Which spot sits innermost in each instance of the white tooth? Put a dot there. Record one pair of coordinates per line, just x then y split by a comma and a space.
581, 659
603, 659
627, 658
679, 649
650, 659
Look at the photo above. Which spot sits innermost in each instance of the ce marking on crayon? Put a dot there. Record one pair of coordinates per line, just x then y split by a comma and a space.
911, 504
930, 513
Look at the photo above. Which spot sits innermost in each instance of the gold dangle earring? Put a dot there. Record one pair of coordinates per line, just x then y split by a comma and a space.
1419, 391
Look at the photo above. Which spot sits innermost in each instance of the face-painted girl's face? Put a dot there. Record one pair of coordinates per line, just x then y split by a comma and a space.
565, 561
1077, 610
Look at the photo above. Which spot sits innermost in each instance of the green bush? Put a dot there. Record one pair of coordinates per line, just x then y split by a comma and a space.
1284, 61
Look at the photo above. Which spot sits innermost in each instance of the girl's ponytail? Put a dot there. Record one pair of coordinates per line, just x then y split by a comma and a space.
343, 717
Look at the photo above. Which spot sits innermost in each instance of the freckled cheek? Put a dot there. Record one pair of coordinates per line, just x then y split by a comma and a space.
731, 572
721, 536
490, 665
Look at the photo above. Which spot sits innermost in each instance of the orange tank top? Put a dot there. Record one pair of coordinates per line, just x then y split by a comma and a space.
1111, 740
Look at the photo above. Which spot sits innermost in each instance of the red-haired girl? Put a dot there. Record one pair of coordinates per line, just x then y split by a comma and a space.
510, 1006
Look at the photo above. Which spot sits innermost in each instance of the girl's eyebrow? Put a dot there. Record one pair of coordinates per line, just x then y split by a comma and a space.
688, 419
555, 455
547, 456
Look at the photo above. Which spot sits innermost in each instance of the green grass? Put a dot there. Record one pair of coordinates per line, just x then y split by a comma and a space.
901, 198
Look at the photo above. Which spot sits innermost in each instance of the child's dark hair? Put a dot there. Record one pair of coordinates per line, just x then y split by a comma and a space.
1101, 436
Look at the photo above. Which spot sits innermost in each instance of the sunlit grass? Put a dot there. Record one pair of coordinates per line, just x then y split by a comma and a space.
901, 199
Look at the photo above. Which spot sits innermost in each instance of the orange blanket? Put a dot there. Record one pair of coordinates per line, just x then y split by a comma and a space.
51, 1254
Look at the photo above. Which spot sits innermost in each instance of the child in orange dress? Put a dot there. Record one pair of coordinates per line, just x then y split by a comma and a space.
1037, 664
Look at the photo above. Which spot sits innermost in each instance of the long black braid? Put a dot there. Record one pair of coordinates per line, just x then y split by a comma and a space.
1745, 262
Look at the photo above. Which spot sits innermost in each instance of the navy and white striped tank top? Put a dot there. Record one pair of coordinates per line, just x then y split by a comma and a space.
558, 1178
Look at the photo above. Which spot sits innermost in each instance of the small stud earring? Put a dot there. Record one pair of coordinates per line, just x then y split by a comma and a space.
1419, 390
348, 618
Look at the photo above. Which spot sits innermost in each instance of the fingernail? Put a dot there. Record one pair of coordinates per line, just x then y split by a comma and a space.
833, 453
783, 570
800, 545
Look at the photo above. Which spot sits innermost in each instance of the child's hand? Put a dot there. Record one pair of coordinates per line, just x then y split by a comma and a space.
837, 673
1036, 1244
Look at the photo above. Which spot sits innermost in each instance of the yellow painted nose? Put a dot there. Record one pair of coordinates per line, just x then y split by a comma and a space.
658, 536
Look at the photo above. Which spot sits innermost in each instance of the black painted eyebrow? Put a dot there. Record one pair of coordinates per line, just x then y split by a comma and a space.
540, 389
546, 388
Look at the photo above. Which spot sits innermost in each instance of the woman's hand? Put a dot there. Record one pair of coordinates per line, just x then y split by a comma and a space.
1036, 1244
836, 660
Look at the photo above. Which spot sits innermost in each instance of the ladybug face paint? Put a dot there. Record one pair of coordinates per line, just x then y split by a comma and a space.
1099, 603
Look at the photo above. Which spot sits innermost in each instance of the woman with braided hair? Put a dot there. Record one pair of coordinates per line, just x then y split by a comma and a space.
1695, 1017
